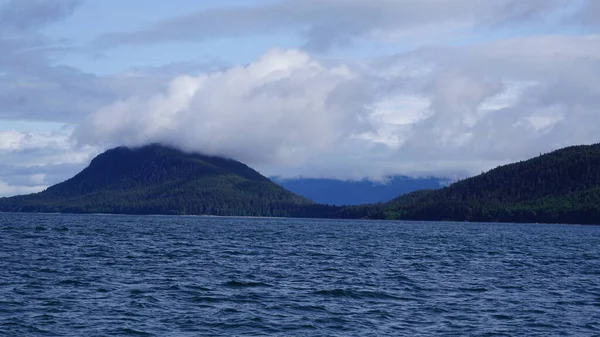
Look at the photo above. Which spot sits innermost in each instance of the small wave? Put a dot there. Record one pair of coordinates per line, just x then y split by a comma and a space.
147, 302
474, 290
141, 276
229, 311
356, 294
503, 317
239, 284
75, 283
131, 332
190, 288
232, 252
208, 299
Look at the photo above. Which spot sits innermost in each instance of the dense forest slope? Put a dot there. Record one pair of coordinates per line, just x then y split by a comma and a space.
159, 180
559, 187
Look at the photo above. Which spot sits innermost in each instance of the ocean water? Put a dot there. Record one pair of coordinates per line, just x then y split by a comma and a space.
101, 275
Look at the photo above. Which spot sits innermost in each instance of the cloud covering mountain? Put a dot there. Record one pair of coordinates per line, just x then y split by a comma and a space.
344, 89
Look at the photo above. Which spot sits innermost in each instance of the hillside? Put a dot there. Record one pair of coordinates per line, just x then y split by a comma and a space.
560, 187
341, 192
159, 180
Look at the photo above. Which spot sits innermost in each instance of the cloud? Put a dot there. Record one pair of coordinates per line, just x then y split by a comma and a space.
590, 15
30, 87
434, 111
33, 88
29, 15
21, 43
275, 110
65, 94
508, 100
481, 83
324, 24
31, 161
9, 190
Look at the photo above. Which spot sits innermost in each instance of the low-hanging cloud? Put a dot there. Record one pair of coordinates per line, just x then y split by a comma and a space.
273, 111
455, 107
432, 111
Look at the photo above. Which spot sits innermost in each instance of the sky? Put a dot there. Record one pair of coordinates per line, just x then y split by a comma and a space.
345, 89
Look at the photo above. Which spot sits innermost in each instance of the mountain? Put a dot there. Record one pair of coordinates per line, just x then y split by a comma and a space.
559, 187
156, 179
341, 192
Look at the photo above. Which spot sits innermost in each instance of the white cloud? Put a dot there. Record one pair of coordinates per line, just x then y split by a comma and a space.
276, 110
426, 112
49, 147
510, 99
33, 160
10, 190
476, 96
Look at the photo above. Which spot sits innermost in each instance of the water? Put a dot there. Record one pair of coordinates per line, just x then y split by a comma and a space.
95, 275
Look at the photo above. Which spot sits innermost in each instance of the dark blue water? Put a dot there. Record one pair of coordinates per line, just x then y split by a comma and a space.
68, 275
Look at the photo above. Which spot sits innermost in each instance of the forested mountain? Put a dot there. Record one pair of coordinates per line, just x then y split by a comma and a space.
341, 192
559, 187
159, 180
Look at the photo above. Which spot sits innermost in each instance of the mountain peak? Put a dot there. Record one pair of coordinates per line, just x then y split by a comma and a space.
157, 179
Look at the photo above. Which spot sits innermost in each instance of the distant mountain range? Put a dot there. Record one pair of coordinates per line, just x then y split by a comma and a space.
559, 187
341, 192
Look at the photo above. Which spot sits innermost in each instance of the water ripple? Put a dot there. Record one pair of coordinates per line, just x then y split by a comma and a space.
96, 275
